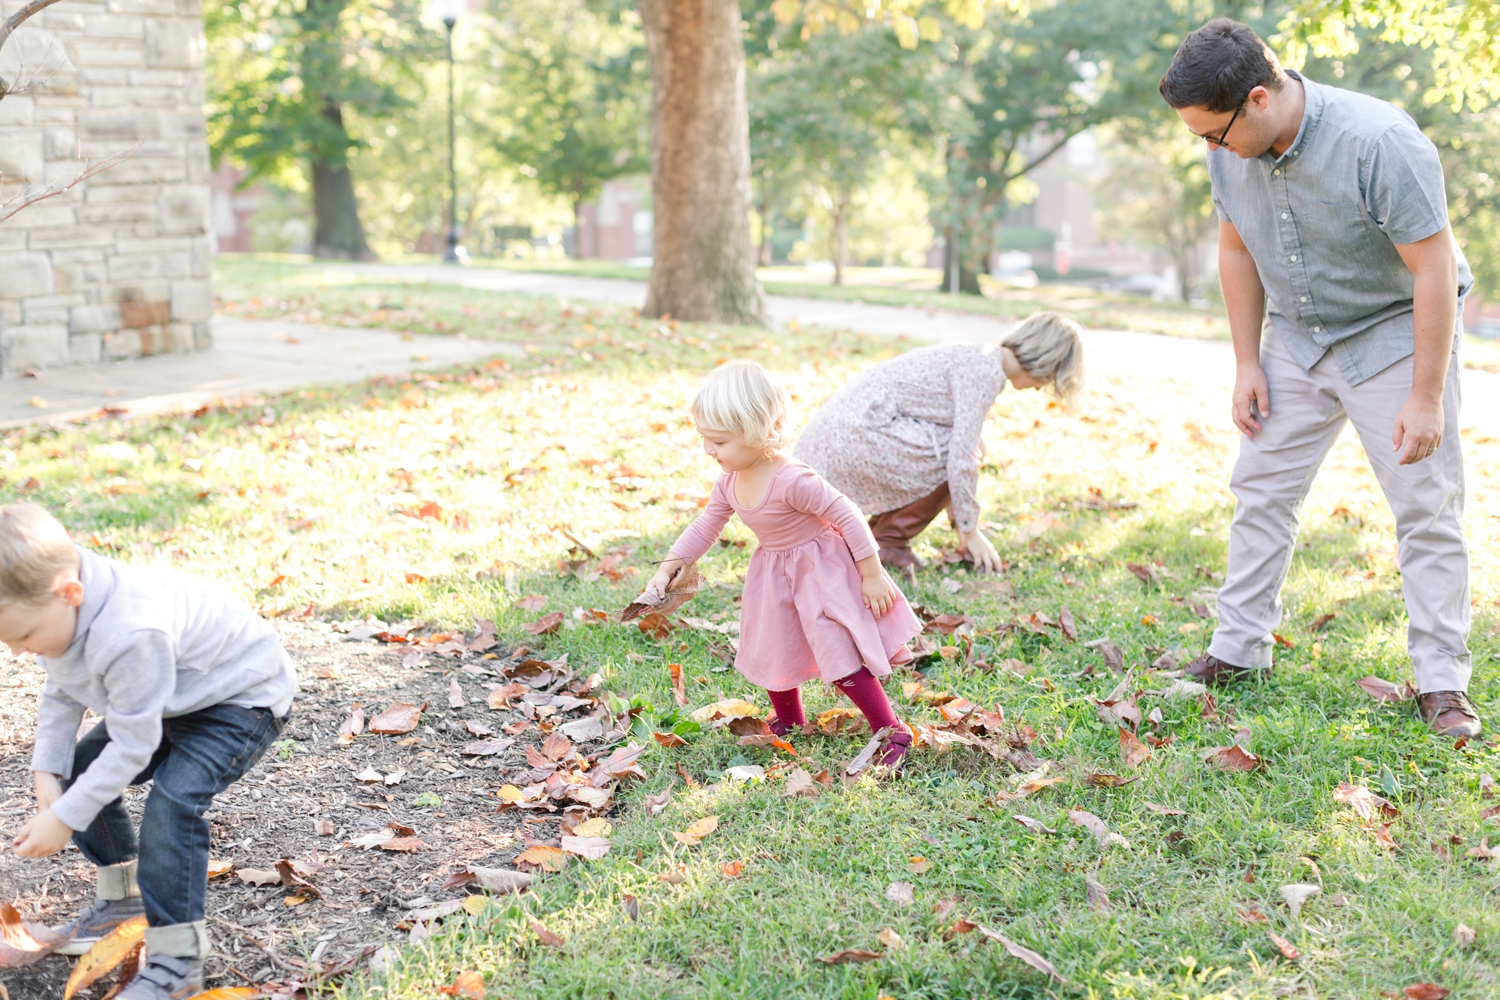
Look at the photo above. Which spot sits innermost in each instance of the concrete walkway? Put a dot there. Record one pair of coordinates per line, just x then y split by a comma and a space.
268, 355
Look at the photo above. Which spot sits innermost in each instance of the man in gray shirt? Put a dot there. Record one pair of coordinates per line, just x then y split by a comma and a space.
1333, 230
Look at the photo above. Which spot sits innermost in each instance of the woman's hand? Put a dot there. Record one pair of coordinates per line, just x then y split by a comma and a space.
42, 835
986, 559
48, 788
875, 587
665, 574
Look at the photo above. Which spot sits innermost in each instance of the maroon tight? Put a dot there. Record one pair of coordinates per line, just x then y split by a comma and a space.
862, 688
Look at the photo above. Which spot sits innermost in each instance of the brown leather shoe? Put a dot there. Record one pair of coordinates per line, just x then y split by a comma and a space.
1215, 672
1450, 713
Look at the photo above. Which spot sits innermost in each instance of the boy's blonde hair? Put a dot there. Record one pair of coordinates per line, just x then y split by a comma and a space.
34, 550
743, 398
1049, 346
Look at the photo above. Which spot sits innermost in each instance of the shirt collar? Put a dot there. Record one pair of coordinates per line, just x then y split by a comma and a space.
94, 574
1312, 114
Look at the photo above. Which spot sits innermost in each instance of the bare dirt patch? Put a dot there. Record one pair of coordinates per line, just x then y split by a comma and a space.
315, 798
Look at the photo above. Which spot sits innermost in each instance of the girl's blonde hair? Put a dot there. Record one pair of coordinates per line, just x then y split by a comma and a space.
1049, 346
743, 398
34, 551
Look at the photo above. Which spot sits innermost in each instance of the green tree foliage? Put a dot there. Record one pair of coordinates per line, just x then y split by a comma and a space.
288, 79
571, 94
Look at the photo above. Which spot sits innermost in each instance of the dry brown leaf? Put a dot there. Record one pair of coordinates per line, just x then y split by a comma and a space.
1383, 690
1424, 991
1133, 751
1364, 802
1094, 894
1065, 622
468, 986
1034, 785
696, 831
259, 876
483, 748
402, 845
550, 858
545, 625
1026, 955
1284, 946
1321, 622
588, 848
218, 868
549, 938
1100, 779
680, 589
22, 944
536, 602
324, 827
106, 955
1034, 825
1464, 935
1483, 851
800, 784
919, 864
1145, 573
400, 718
455, 694
355, 724
1163, 810
222, 993
656, 803
958, 927
679, 688
849, 955
669, 739
1232, 758
1296, 894
901, 893
1101, 831
835, 720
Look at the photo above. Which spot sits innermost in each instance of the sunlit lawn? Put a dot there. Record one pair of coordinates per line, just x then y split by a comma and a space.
326, 497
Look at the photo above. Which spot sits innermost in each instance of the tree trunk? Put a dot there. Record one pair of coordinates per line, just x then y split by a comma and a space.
339, 234
763, 254
841, 236
578, 227
968, 278
704, 264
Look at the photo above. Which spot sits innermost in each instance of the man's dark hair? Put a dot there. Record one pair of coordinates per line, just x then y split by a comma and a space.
1218, 65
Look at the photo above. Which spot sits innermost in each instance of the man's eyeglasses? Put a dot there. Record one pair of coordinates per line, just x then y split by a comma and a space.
1218, 140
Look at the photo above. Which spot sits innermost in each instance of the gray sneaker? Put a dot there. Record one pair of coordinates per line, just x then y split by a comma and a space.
165, 978
95, 922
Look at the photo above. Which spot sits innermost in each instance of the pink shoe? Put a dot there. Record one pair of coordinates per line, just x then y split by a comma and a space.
893, 751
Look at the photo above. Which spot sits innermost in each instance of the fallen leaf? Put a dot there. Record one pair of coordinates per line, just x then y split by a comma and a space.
1094, 894
106, 955
890, 939
1035, 825
1100, 779
1424, 991
901, 893
261, 876
21, 943
1033, 785
1321, 622
1163, 810
402, 845
1065, 622
1232, 758
1364, 802
497, 880
850, 955
1026, 955
468, 986
800, 784
696, 831
958, 927
733, 870
1113, 657
549, 938
596, 827
1464, 935
1133, 751
1251, 915
355, 724
726, 709
477, 728
669, 739
370, 840
218, 868
550, 858
222, 993
679, 689
1486, 786
834, 720
588, 848
1093, 824
1383, 690
582, 730
1146, 574
533, 603
395, 777
656, 803
676, 877
1284, 946
1296, 894
545, 625
1483, 851
399, 719
861, 760
455, 694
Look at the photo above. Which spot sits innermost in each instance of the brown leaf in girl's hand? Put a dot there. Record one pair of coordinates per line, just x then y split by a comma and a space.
545, 625
850, 955
1284, 946
1133, 751
400, 718
679, 687
547, 937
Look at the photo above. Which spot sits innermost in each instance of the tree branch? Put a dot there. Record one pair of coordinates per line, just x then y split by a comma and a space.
26, 199
15, 21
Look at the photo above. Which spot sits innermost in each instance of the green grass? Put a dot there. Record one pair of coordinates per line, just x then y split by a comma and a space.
306, 498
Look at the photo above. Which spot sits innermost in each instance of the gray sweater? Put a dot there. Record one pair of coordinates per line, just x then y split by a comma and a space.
150, 644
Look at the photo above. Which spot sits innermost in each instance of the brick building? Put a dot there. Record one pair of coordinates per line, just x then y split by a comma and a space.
118, 266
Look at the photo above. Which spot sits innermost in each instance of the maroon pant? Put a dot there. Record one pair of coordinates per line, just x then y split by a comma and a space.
895, 529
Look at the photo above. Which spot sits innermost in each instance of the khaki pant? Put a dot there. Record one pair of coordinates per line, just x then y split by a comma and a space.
1273, 474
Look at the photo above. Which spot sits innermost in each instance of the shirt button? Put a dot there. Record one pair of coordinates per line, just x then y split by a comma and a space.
1317, 329
1304, 298
1275, 173
1294, 257
1283, 215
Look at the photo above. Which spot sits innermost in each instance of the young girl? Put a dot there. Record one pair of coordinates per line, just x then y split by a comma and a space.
816, 601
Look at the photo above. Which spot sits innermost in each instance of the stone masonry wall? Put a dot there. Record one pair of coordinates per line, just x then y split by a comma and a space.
119, 266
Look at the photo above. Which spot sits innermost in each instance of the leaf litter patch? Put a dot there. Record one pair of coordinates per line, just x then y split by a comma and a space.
375, 818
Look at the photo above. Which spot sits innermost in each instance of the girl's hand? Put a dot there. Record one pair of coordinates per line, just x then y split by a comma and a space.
986, 559
665, 574
879, 593
48, 788
42, 835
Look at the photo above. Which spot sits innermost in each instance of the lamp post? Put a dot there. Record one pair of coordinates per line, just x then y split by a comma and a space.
449, 10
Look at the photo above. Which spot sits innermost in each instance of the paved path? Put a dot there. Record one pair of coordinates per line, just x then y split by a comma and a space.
267, 355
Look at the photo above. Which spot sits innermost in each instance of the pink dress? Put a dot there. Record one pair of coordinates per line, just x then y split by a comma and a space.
802, 614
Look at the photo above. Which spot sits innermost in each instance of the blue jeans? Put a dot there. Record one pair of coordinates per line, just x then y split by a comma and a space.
201, 754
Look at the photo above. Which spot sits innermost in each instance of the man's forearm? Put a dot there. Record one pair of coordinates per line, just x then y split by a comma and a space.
1434, 316
1244, 301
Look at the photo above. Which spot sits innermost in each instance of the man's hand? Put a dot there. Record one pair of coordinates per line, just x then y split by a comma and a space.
1252, 398
986, 559
1419, 428
48, 788
42, 835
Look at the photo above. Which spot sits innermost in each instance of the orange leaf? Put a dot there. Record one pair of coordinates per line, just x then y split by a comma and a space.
228, 993
550, 858
733, 869
106, 955
545, 625
679, 690
669, 739
549, 938
468, 985
398, 719
696, 831
1424, 991
1133, 751
1233, 758
1284, 946
850, 955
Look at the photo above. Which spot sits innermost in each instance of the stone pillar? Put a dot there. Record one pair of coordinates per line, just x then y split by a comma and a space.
118, 266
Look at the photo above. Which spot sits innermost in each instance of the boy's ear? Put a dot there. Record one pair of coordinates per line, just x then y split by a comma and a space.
70, 592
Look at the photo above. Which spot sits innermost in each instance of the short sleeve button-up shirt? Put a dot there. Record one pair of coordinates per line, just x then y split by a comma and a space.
1323, 220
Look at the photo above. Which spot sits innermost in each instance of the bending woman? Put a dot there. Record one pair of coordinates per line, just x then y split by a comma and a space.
903, 439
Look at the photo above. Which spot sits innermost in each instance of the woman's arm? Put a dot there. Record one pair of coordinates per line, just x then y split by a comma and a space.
974, 390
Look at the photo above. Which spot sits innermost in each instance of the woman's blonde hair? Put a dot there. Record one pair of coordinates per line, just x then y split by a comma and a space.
34, 551
1049, 346
743, 398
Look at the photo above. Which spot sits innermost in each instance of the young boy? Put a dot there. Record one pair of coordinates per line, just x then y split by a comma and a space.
191, 687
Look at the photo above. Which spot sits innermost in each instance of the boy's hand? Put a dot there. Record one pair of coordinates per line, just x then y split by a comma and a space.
48, 788
42, 835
